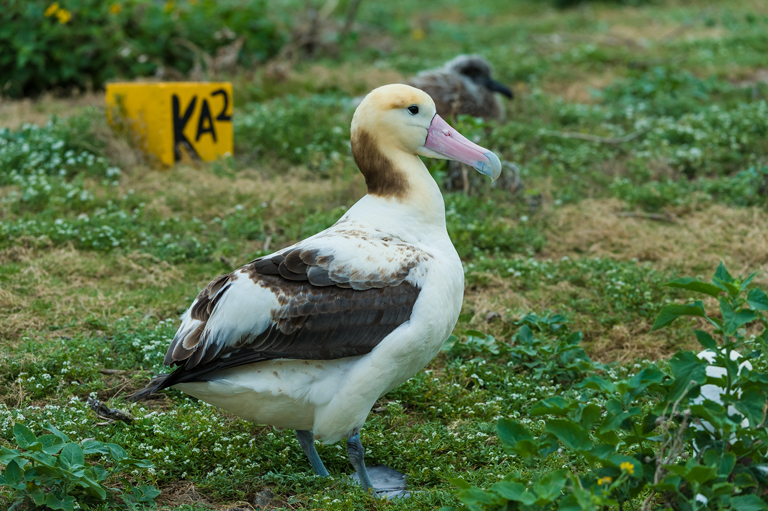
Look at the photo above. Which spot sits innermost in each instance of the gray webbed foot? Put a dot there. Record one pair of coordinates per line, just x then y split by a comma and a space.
386, 482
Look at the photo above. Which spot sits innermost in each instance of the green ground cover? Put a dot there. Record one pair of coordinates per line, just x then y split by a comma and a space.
100, 253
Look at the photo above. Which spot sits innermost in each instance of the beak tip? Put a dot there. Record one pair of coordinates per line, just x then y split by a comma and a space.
492, 169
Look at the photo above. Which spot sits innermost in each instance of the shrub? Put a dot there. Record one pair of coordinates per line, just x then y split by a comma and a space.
651, 440
79, 44
51, 471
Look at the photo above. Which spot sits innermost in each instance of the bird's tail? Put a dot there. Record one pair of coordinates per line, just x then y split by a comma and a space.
155, 385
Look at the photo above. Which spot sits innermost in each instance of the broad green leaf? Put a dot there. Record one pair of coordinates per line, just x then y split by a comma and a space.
548, 488
51, 444
514, 491
748, 503
707, 341
13, 474
732, 320
38, 497
71, 456
727, 464
94, 446
587, 415
134, 462
569, 433
54, 502
732, 289
44, 459
641, 381
722, 274
720, 489
597, 383
554, 405
744, 283
475, 496
6, 455
459, 483
648, 423
672, 311
757, 299
696, 285
510, 432
686, 368
614, 421
602, 451
752, 405
448, 344
700, 474
525, 335
118, 453
52, 429
88, 479
24, 436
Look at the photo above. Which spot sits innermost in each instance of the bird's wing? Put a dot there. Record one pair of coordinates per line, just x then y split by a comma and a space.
331, 296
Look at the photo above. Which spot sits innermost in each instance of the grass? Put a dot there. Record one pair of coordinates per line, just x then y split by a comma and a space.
97, 264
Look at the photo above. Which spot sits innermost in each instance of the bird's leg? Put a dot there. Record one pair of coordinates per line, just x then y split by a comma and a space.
357, 457
307, 443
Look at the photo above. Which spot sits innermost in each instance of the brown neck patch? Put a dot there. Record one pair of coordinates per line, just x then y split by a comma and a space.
381, 176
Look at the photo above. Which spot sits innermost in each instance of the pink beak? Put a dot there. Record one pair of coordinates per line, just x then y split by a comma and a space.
443, 139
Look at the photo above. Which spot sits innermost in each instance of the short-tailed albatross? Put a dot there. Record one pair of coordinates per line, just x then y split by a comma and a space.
308, 338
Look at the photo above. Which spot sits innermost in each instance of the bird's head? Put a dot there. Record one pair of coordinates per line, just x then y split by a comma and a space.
400, 119
477, 69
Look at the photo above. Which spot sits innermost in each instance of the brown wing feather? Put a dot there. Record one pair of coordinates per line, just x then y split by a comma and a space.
322, 317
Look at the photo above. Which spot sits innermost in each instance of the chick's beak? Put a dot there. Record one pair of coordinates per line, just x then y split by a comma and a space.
448, 142
495, 86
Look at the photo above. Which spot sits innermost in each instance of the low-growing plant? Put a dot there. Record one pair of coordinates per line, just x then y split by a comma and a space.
553, 353
81, 44
746, 188
51, 471
652, 440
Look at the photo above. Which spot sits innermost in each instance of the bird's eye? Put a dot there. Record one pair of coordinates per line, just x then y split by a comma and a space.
413, 109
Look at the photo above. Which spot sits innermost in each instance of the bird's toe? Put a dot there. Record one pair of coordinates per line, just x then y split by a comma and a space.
388, 483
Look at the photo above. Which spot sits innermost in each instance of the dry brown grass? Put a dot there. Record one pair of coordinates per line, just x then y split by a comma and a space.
199, 191
695, 242
65, 287
14, 113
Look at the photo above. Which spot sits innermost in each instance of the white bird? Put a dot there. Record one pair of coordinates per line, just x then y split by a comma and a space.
308, 338
710, 392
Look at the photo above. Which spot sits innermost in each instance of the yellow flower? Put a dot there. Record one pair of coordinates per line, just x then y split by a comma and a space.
51, 10
63, 15
418, 34
627, 466
168, 7
115, 8
604, 480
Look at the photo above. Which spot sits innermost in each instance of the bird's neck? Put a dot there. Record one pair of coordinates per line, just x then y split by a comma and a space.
416, 209
422, 196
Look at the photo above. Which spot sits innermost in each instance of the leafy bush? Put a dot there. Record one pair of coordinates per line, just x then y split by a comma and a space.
51, 471
48, 45
652, 440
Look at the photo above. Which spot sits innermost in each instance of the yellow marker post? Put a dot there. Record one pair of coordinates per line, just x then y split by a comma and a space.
175, 120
